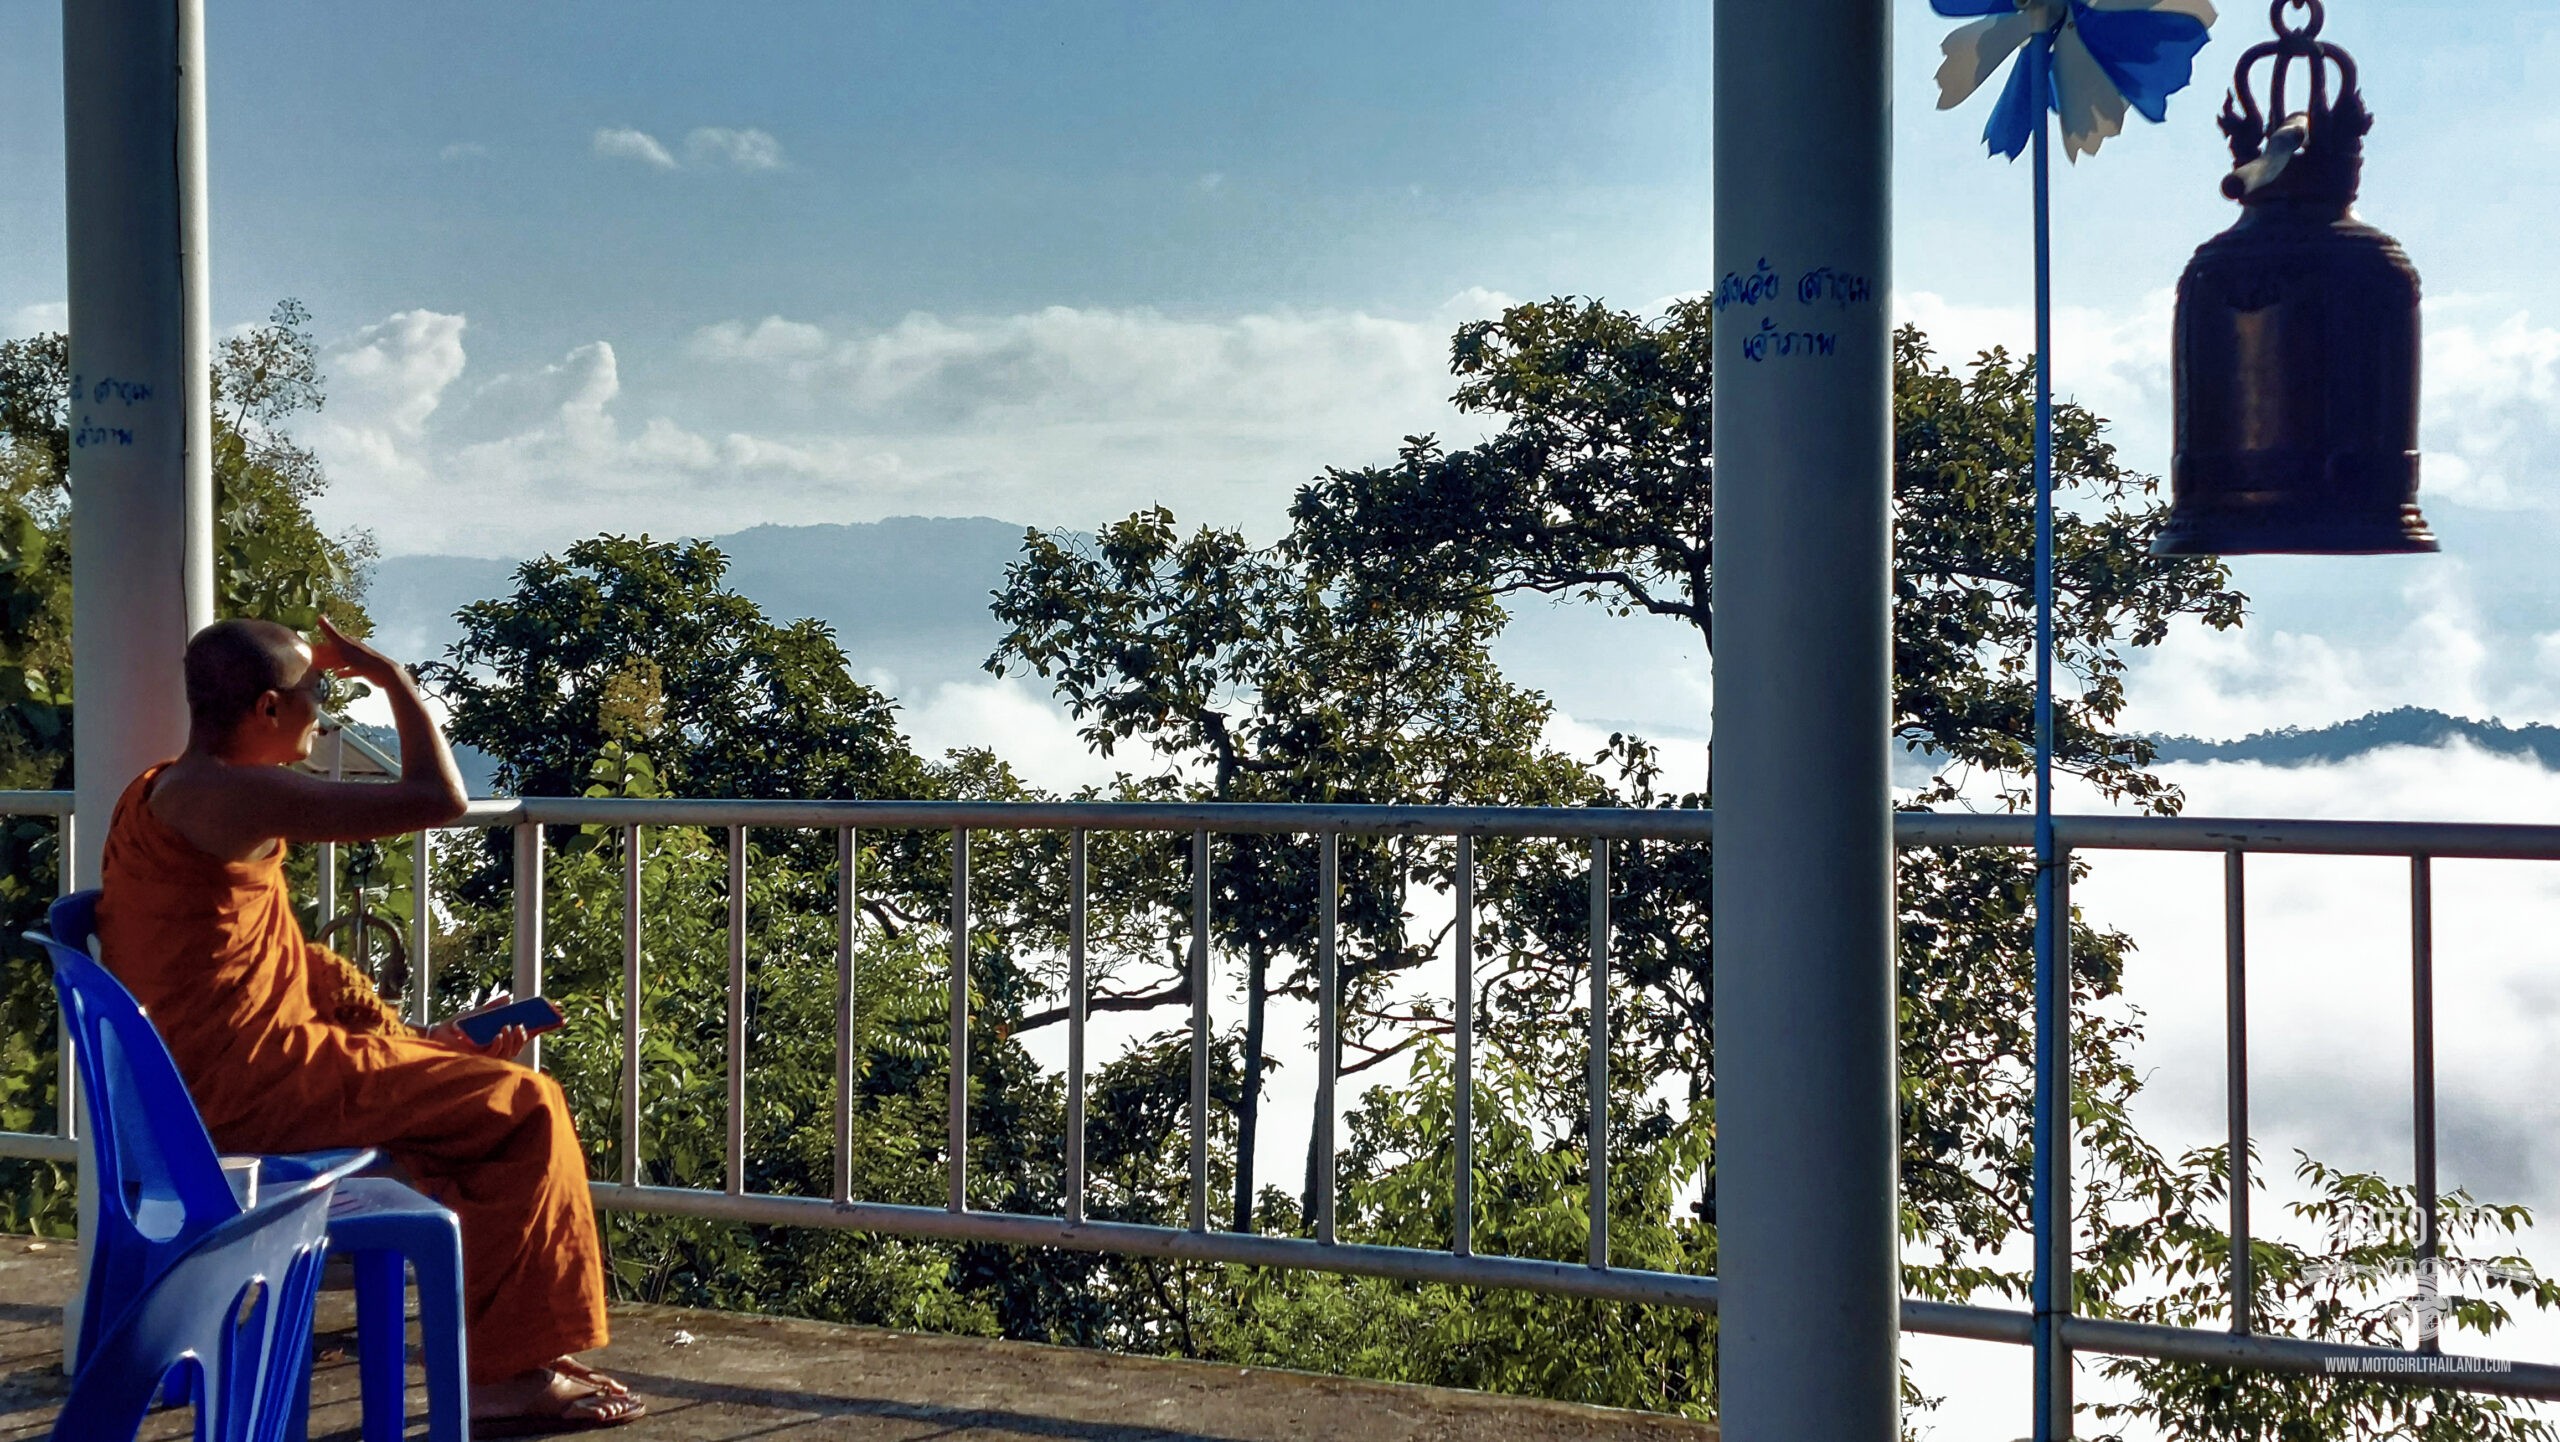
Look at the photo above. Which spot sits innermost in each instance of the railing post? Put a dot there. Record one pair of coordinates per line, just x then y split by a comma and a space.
848, 916
1462, 1188
1596, 1102
66, 1108
1078, 987
1200, 1031
1808, 1235
734, 1173
2422, 1056
631, 899
2235, 1063
528, 924
327, 909
1328, 1024
959, 1118
422, 929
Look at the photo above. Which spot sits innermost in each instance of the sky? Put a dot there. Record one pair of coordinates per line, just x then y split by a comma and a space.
685, 268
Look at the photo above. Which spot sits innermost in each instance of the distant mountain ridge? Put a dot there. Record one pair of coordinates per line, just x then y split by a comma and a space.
2405, 726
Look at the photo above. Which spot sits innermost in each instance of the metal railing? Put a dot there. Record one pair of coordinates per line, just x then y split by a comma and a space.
2240, 1345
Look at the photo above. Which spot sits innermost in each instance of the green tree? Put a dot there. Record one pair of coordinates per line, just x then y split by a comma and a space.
638, 641
1254, 678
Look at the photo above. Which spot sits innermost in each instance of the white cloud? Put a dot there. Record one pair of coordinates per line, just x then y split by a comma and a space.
623, 143
771, 339
747, 149
2225, 684
1062, 416
2487, 412
51, 315
1008, 716
2114, 362
466, 150
384, 382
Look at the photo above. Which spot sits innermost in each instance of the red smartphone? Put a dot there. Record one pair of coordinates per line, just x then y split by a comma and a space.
535, 1014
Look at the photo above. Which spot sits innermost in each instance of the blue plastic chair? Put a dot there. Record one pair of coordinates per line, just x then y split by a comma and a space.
225, 1325
161, 1186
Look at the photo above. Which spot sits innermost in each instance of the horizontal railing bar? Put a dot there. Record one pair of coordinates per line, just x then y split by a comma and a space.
39, 1146
2258, 1351
1574, 1279
35, 803
2463, 839
2466, 840
1180, 1243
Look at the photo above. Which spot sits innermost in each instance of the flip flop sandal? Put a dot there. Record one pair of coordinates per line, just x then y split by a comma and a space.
577, 1415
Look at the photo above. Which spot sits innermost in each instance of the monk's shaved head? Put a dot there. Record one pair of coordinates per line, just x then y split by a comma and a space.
230, 664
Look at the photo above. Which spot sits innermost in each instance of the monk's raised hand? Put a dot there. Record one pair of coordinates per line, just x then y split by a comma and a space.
339, 653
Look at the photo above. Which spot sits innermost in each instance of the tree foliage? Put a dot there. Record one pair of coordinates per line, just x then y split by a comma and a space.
1254, 677
640, 642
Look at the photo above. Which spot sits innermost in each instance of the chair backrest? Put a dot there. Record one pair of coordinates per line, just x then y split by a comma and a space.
230, 1314
73, 919
159, 1183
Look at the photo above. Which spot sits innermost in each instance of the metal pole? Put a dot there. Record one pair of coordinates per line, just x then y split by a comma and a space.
1079, 987
422, 929
734, 1170
528, 925
2422, 1057
631, 901
328, 849
1803, 912
959, 1103
1595, 1121
1462, 1189
141, 405
2050, 1206
848, 918
1328, 1026
2235, 1054
1199, 1031
327, 910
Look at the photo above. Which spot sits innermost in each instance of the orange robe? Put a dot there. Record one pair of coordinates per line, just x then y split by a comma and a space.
287, 1048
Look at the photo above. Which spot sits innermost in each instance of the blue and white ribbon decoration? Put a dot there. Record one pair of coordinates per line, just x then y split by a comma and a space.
2103, 57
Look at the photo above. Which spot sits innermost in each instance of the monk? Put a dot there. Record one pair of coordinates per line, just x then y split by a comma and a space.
287, 1048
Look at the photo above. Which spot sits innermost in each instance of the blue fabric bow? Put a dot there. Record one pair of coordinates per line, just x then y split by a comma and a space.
2098, 59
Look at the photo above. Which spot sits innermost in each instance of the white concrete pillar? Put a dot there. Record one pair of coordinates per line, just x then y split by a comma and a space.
141, 397
1804, 966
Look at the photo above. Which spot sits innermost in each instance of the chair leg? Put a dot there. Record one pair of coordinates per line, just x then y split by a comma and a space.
297, 1421
440, 1327
382, 1350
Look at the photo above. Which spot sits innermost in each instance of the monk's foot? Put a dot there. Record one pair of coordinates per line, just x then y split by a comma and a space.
564, 1396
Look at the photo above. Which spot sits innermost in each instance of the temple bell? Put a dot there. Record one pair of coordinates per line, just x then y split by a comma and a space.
2295, 370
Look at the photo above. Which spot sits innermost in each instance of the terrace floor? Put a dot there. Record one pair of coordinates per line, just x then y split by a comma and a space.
742, 1377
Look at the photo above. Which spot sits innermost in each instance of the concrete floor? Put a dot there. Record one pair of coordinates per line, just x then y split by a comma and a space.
741, 1377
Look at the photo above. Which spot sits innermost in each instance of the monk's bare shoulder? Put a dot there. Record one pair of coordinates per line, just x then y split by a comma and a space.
237, 812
